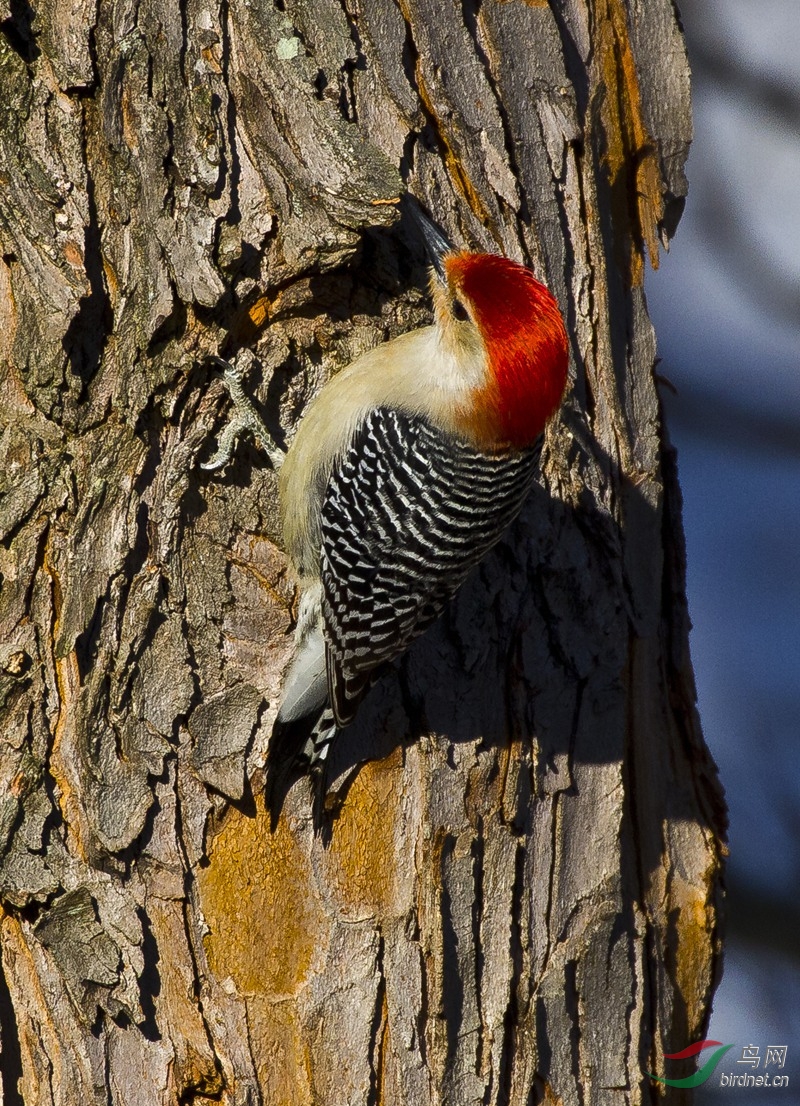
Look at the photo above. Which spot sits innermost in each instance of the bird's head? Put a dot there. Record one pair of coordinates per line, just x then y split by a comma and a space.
487, 303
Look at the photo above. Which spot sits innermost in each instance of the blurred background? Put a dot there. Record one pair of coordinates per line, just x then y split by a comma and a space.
726, 307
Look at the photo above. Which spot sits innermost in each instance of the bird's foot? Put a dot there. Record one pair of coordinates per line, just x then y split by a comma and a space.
245, 418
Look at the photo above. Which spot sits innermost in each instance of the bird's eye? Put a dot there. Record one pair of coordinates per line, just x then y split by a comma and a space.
460, 311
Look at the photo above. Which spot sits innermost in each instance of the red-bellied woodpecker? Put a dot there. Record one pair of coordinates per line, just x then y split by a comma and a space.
404, 472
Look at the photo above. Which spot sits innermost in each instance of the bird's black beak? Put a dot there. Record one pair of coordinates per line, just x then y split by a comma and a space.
436, 244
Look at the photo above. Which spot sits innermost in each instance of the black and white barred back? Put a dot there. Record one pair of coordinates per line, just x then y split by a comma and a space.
405, 517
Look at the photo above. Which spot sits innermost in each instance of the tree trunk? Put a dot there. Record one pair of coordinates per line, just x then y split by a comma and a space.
517, 899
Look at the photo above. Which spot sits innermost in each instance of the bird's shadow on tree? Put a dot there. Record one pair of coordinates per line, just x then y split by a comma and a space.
485, 672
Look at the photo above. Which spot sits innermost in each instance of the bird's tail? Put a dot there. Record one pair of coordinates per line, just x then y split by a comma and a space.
305, 726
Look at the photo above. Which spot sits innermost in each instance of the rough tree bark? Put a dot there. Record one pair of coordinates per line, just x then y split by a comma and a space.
519, 898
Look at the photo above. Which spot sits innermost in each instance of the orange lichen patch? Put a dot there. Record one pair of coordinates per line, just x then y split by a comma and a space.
693, 943
265, 922
260, 901
210, 55
111, 281
282, 1056
363, 844
529, 3
250, 320
73, 255
258, 312
631, 155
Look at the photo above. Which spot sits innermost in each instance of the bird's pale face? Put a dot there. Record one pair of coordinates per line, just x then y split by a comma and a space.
458, 329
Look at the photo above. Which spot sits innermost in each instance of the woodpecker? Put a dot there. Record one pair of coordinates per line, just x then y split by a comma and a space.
404, 472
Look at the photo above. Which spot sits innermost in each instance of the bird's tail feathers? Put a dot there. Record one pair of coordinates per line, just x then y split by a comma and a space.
305, 689
305, 725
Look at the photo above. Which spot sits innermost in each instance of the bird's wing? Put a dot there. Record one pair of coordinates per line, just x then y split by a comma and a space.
406, 515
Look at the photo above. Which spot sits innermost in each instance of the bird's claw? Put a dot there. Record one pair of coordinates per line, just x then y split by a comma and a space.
245, 418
